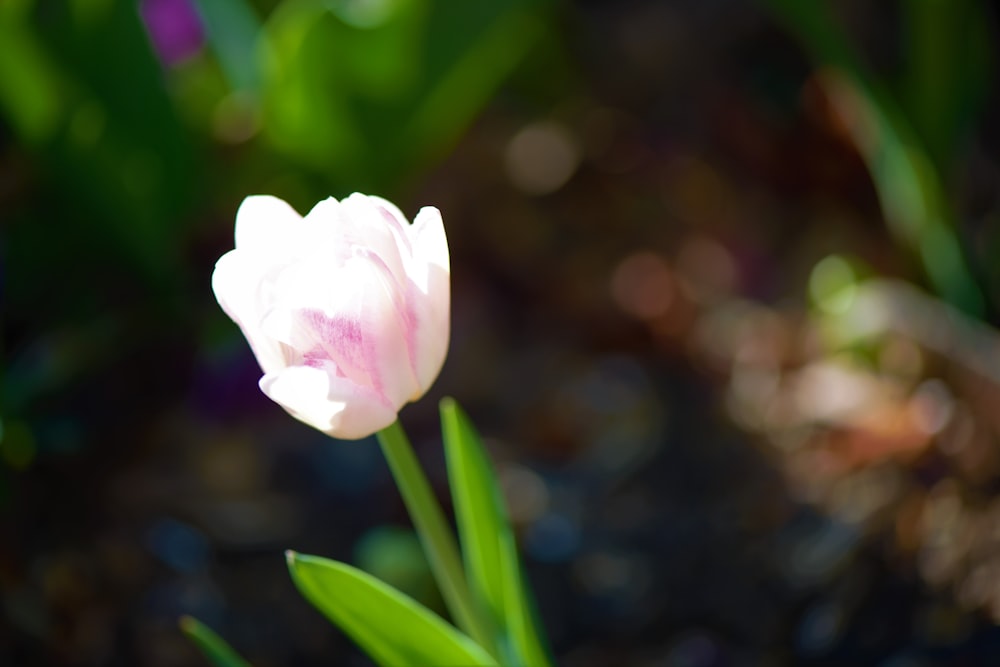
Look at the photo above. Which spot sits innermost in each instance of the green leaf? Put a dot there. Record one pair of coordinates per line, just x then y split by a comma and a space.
488, 545
215, 648
392, 628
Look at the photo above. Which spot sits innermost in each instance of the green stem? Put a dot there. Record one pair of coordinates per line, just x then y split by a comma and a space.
435, 534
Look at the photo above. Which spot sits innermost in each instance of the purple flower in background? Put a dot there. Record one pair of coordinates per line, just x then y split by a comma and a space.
174, 28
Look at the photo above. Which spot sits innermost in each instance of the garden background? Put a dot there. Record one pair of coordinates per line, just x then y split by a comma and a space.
725, 284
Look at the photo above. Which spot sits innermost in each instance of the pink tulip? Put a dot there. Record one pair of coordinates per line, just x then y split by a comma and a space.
346, 309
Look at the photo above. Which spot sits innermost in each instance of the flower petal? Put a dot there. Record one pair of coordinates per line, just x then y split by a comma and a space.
390, 335
398, 223
431, 274
346, 309
265, 223
237, 282
333, 405
353, 316
371, 228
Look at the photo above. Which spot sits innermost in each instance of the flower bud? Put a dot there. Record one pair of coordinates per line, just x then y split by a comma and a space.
347, 309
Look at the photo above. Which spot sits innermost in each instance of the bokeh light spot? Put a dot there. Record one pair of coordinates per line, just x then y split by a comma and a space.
833, 285
643, 285
541, 158
236, 118
553, 538
525, 491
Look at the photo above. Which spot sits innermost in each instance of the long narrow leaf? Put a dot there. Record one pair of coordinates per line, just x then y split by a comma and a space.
488, 546
215, 648
392, 628
909, 187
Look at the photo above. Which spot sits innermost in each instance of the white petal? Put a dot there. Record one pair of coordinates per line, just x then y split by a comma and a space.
332, 405
352, 315
347, 309
367, 226
398, 223
388, 326
265, 223
389, 207
237, 283
430, 246
431, 275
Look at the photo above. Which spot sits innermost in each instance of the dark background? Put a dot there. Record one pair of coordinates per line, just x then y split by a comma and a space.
724, 290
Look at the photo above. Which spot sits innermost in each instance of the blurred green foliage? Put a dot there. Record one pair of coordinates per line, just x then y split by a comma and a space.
125, 165
352, 94
134, 135
214, 647
708, 150
86, 99
909, 132
408, 77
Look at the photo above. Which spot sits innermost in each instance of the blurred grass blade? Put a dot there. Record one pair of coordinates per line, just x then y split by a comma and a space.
948, 72
368, 92
488, 546
461, 91
215, 648
233, 30
909, 186
29, 82
392, 628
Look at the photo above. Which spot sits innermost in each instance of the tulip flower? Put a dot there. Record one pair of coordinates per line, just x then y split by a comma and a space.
346, 309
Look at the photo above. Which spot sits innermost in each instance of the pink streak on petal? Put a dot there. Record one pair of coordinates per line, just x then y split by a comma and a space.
342, 342
339, 339
397, 227
402, 301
